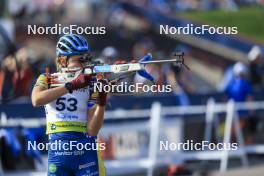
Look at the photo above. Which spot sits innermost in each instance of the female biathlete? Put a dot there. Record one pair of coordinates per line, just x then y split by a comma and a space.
71, 125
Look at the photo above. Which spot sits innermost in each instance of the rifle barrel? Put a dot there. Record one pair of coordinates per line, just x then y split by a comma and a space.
159, 61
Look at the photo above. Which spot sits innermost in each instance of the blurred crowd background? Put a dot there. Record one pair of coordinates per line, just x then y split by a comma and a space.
221, 66
24, 57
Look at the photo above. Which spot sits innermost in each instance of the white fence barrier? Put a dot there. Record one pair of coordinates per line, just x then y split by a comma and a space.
153, 125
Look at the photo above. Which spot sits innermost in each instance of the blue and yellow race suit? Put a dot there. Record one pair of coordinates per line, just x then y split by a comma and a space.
71, 151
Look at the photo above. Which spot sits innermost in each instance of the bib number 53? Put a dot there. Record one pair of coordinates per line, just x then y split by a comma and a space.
70, 104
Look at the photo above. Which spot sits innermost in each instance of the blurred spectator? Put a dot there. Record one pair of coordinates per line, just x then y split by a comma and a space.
16, 76
6, 84
230, 76
109, 55
256, 67
23, 77
239, 88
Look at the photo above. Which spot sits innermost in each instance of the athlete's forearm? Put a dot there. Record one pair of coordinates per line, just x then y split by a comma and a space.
40, 98
96, 122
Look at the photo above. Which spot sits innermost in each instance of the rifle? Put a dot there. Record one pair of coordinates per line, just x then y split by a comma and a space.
98, 69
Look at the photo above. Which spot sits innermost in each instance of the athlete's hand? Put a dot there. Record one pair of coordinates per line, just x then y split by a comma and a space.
102, 97
83, 80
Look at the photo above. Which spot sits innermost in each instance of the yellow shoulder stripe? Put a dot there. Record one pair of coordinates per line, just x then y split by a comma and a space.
42, 81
